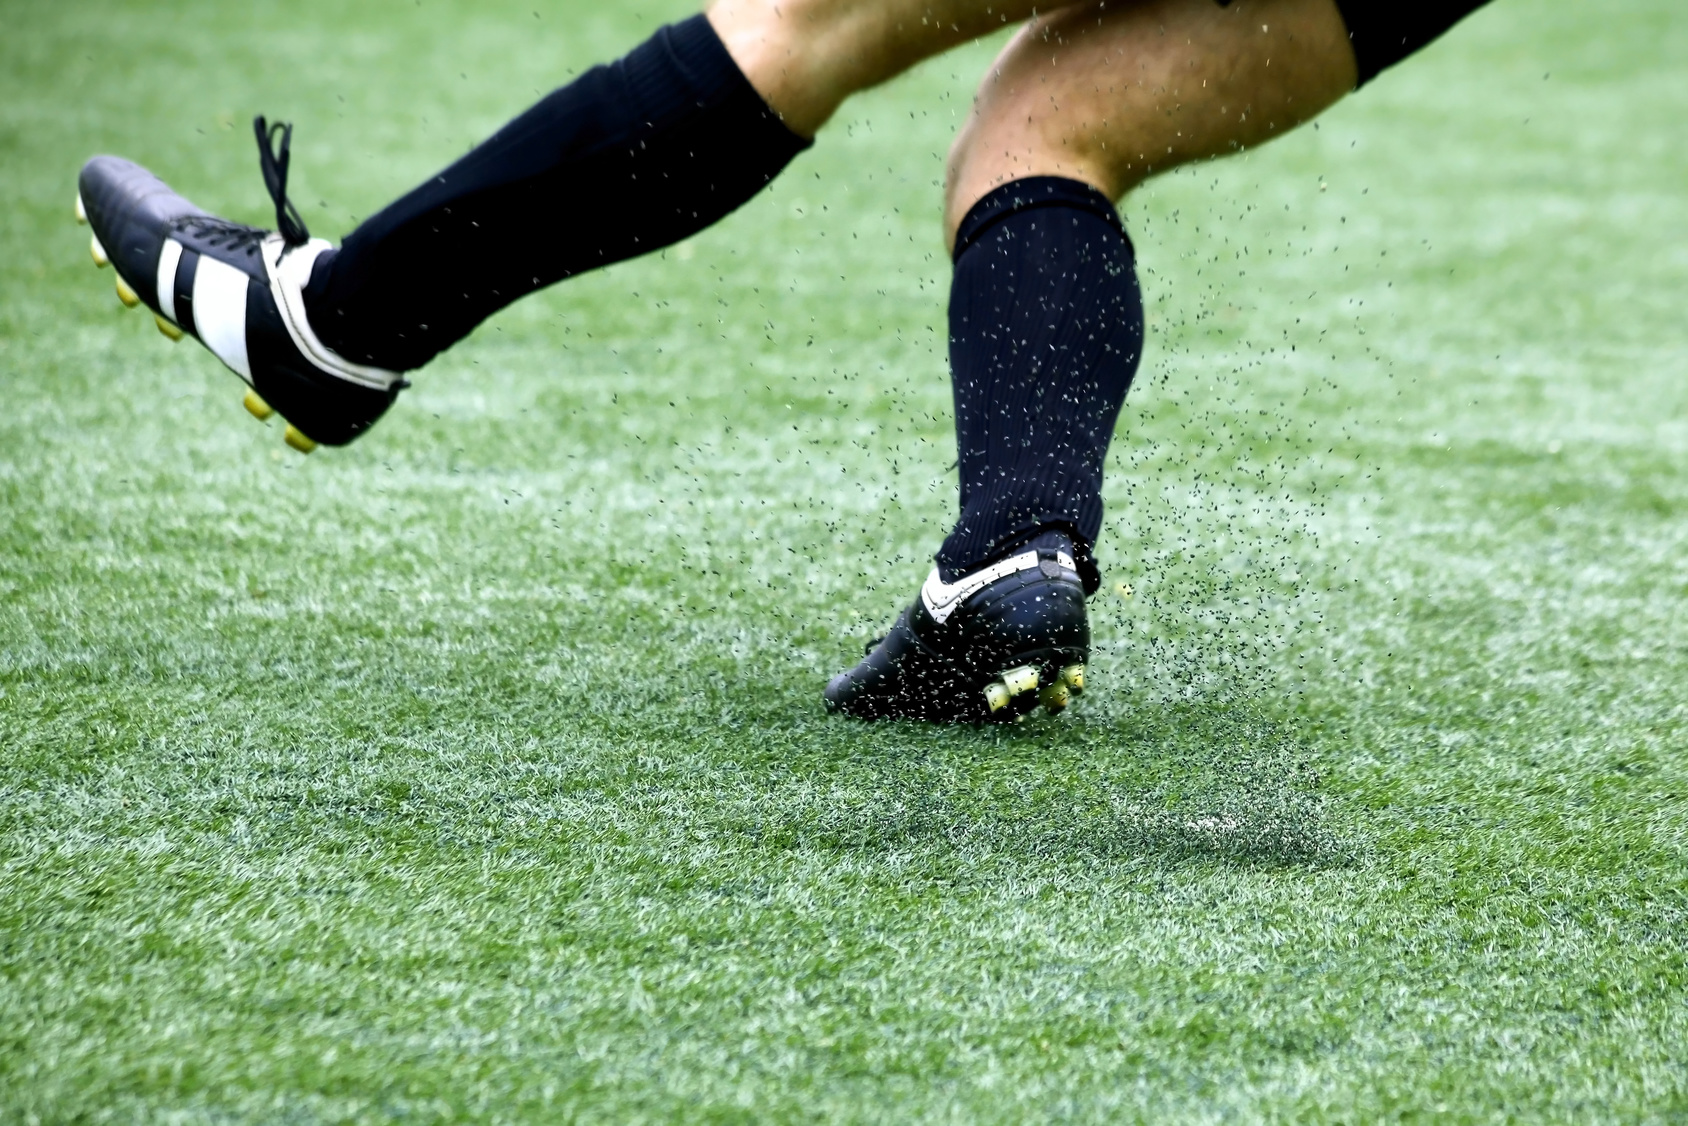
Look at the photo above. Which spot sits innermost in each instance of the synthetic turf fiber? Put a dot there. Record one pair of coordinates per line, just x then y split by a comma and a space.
478, 771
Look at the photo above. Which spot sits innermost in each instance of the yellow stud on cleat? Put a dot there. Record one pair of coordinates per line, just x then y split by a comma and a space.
125, 294
81, 212
996, 695
1022, 679
98, 252
1054, 697
256, 407
1073, 676
297, 440
167, 328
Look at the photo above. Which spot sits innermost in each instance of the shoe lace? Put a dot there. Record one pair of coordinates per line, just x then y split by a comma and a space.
274, 161
238, 237
222, 233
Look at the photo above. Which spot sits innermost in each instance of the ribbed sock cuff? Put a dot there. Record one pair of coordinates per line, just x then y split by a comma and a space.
1032, 192
685, 67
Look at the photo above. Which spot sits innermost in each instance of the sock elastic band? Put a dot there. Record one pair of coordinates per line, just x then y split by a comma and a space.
1032, 192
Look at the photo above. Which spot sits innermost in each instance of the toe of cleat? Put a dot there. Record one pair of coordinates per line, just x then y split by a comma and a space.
256, 407
126, 293
98, 252
295, 438
167, 328
81, 212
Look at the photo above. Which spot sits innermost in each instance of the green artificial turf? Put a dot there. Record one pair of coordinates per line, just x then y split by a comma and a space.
478, 771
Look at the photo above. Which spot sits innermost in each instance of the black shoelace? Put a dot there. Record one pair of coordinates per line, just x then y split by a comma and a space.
274, 161
222, 233
239, 237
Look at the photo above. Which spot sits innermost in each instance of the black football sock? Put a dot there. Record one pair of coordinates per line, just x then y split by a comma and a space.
1046, 329
627, 159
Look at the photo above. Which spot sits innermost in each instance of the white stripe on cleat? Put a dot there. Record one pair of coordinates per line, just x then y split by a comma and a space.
219, 313
98, 252
256, 407
126, 294
169, 260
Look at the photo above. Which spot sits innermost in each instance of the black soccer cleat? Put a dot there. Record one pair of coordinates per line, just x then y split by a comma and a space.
237, 290
989, 647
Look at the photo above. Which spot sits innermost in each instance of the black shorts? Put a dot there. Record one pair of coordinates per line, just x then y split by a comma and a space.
1386, 31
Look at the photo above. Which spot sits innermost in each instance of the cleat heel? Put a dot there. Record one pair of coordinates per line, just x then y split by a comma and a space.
296, 438
1020, 680
167, 328
81, 212
126, 293
98, 252
256, 407
992, 646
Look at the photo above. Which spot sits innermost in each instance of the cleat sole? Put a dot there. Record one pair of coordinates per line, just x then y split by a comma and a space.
1054, 697
167, 328
81, 212
98, 252
994, 647
1020, 680
126, 293
1000, 693
256, 407
296, 438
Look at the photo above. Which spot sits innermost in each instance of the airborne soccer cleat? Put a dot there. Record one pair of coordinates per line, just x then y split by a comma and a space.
990, 647
237, 290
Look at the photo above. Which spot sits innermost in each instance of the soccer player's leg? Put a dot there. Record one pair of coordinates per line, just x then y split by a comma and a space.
628, 158
1046, 320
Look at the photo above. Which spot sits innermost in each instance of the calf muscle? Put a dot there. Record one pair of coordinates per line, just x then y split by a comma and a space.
1111, 93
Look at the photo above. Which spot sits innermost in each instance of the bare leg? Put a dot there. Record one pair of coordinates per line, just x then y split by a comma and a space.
806, 56
1110, 93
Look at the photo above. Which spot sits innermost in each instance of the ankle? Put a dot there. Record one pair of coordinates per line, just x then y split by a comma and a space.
955, 562
339, 333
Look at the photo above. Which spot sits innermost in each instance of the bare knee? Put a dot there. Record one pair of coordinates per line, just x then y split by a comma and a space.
1111, 94
806, 56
